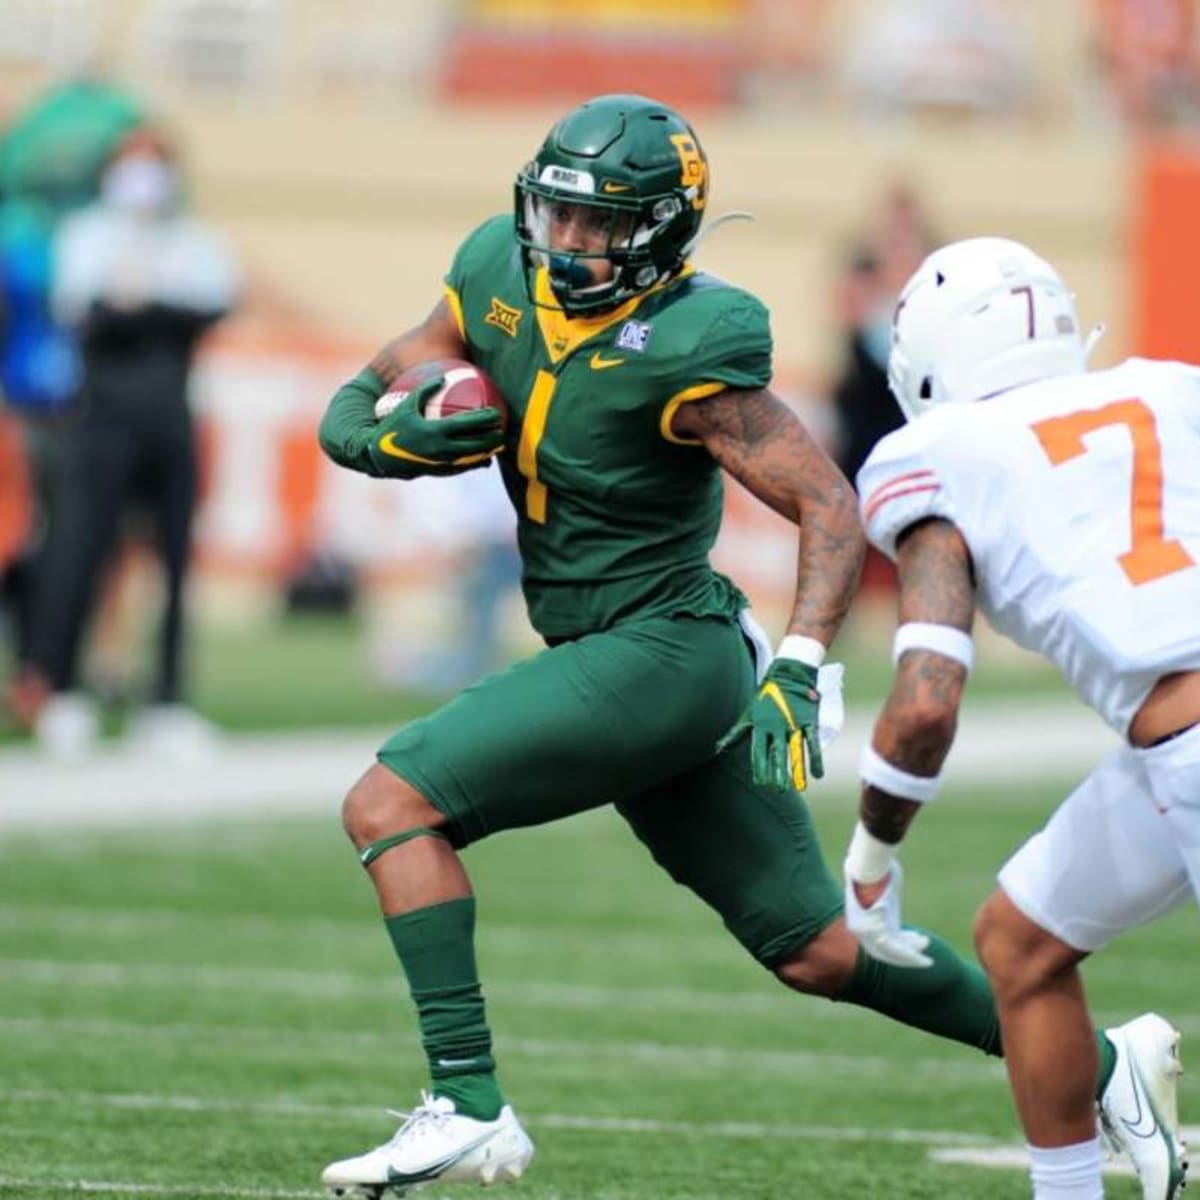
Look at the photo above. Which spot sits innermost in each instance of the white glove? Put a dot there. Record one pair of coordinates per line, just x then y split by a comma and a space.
878, 928
831, 716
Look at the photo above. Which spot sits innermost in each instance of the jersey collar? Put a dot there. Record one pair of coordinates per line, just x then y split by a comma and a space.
563, 334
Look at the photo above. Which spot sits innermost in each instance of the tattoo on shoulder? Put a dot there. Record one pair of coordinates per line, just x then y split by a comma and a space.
749, 418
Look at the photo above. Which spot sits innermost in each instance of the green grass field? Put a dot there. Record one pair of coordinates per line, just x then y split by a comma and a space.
214, 1011
293, 672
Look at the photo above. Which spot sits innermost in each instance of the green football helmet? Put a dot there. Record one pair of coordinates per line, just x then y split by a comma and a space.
639, 167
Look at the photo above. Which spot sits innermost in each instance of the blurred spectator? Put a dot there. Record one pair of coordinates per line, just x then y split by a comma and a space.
1149, 55
51, 156
53, 151
140, 282
949, 55
877, 267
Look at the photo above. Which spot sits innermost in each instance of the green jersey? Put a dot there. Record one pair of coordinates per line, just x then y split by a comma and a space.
616, 514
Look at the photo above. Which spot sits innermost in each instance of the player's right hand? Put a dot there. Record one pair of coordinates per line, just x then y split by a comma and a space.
405, 444
877, 924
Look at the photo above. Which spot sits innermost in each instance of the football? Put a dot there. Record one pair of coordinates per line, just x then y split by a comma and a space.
465, 389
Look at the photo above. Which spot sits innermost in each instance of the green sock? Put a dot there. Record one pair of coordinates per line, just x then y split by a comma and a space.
1108, 1062
436, 946
951, 999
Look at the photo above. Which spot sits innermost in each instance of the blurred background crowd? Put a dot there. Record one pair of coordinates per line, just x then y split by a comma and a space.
213, 211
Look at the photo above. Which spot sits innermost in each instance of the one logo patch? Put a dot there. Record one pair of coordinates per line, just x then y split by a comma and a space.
503, 317
633, 336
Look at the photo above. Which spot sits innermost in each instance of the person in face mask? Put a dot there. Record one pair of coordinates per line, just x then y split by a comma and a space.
140, 281
863, 406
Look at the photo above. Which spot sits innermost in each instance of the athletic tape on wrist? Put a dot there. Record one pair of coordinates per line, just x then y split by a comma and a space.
878, 772
804, 649
868, 859
941, 639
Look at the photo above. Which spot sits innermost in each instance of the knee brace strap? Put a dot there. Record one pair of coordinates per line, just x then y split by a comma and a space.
368, 854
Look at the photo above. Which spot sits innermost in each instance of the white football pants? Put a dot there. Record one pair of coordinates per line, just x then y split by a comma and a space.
1122, 849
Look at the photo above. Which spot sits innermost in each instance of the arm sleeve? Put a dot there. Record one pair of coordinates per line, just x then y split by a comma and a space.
899, 485
349, 422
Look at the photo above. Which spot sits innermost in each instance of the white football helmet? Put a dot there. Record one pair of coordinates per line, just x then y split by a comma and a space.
977, 317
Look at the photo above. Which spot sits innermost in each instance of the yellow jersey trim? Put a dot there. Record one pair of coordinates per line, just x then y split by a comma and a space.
562, 333
696, 392
455, 303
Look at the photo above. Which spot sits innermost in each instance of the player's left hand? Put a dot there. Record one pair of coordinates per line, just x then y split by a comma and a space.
873, 916
782, 721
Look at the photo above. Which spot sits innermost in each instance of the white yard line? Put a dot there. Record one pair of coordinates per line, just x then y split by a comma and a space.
101, 1187
141, 977
752, 1130
272, 1043
264, 775
954, 1146
1010, 1158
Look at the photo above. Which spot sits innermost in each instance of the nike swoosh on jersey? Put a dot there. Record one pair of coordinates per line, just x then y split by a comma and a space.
616, 187
600, 363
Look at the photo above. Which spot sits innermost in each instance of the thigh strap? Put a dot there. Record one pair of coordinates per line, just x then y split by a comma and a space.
369, 853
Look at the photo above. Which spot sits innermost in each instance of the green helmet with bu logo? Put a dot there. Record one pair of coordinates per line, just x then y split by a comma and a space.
640, 166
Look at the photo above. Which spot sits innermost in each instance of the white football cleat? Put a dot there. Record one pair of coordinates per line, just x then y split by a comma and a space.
68, 727
435, 1144
1138, 1110
173, 733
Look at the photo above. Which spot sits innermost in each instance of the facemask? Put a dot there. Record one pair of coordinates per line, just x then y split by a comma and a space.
146, 186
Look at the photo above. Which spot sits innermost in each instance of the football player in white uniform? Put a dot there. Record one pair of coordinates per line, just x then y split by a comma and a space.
1065, 505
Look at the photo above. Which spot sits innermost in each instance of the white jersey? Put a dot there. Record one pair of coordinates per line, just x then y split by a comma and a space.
1079, 499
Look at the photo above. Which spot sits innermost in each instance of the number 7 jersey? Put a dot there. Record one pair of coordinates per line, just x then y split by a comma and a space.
1079, 500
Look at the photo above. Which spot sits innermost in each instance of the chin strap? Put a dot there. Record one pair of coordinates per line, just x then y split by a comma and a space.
1097, 332
716, 223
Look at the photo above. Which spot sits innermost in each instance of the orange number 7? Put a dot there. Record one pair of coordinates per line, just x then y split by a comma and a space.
1150, 556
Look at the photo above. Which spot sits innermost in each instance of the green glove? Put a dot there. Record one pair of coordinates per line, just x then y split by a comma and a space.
782, 722
404, 444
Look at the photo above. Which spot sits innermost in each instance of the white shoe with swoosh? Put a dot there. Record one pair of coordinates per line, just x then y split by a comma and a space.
1138, 1110
434, 1144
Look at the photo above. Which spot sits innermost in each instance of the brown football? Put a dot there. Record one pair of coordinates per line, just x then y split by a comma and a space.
465, 389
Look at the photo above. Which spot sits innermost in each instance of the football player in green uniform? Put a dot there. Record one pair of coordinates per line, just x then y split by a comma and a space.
633, 380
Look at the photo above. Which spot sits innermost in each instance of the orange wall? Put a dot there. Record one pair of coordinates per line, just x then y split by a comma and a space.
1165, 250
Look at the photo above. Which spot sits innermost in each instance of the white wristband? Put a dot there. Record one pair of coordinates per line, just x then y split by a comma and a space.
805, 649
868, 859
878, 772
941, 639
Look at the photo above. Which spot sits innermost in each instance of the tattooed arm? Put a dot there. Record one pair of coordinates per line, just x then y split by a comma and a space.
436, 337
765, 447
349, 422
916, 727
